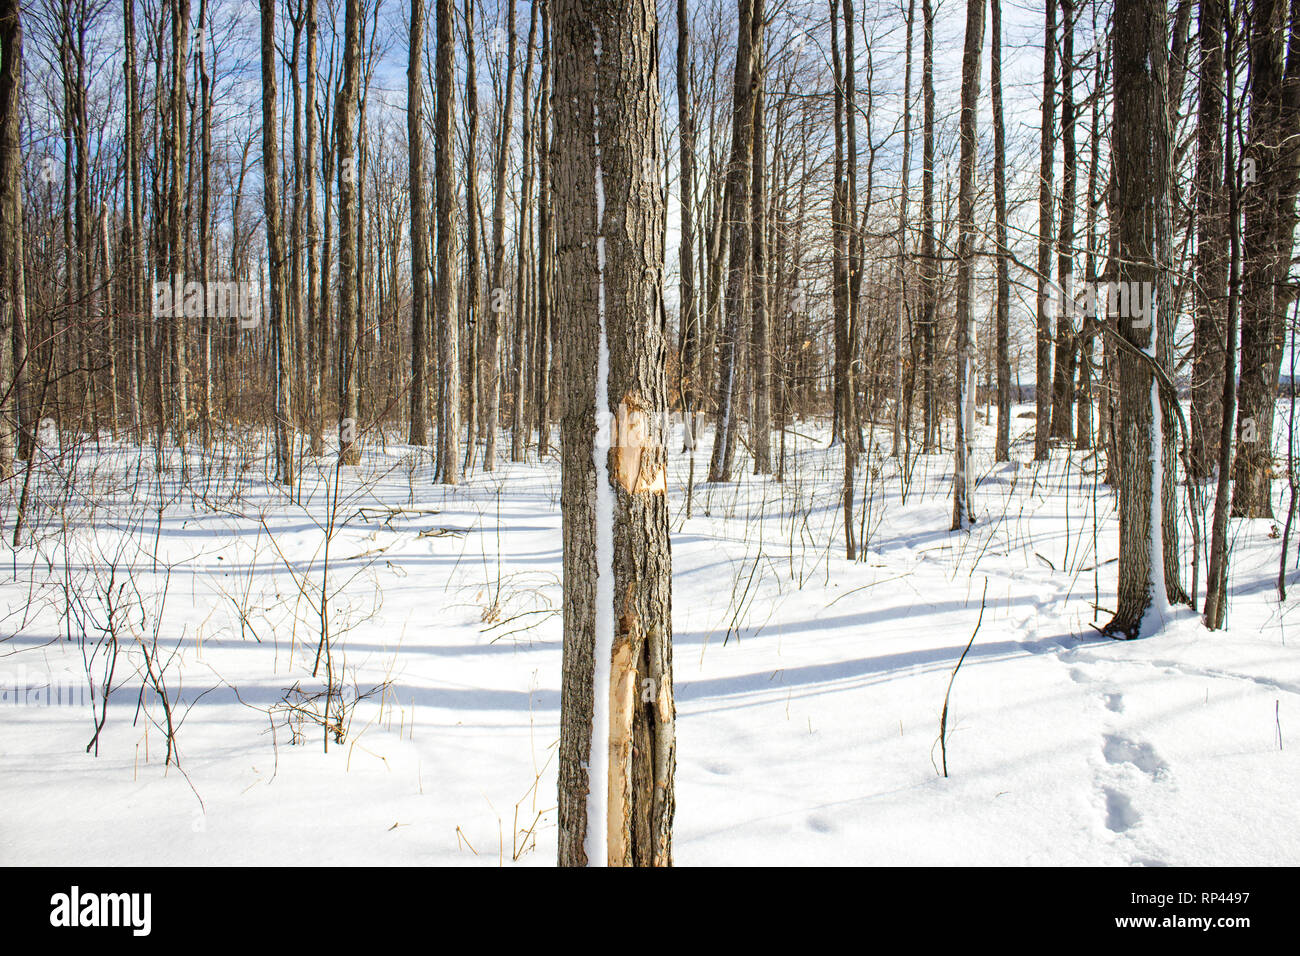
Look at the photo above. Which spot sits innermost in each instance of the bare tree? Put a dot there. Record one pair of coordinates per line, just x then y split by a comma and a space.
617, 736
760, 346
11, 268
345, 119
739, 179
1273, 153
1063, 374
496, 296
899, 320
1141, 161
688, 316
473, 229
419, 431
1216, 16
275, 252
1211, 239
964, 441
1047, 140
929, 251
1002, 444
445, 202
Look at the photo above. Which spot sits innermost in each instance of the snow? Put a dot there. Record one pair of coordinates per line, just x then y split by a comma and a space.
808, 687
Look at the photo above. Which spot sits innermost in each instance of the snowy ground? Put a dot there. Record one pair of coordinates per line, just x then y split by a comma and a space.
809, 688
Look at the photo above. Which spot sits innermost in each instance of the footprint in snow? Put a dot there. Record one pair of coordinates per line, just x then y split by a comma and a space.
820, 825
1118, 750
1115, 703
1120, 813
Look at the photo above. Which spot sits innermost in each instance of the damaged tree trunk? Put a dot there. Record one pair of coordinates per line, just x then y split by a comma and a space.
617, 735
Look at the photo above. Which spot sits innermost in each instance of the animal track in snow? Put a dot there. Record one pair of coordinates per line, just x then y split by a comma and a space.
1117, 750
1173, 667
1120, 813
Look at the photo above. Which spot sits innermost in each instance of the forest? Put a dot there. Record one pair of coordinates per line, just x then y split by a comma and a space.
710, 431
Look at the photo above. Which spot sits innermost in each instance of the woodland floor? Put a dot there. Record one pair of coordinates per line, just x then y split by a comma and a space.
808, 687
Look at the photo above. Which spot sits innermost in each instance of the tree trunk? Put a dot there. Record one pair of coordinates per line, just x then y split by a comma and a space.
419, 423
1141, 158
474, 278
545, 246
176, 230
1088, 318
617, 737
445, 202
317, 336
497, 295
963, 499
524, 255
1215, 16
929, 260
345, 121
1066, 340
1002, 444
295, 288
1047, 134
11, 269
1211, 267
205, 230
761, 333
688, 314
1272, 153
900, 317
275, 251
739, 179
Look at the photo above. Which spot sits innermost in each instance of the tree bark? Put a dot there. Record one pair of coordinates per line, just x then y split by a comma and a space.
545, 245
275, 251
1047, 148
524, 255
1216, 16
345, 121
317, 335
497, 295
419, 414
1066, 338
1002, 443
473, 228
617, 562
1272, 154
739, 178
688, 315
929, 258
900, 317
760, 332
963, 500
1141, 162
176, 230
445, 202
11, 268
1211, 267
